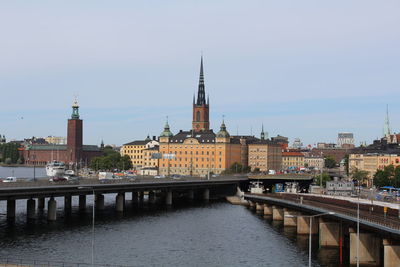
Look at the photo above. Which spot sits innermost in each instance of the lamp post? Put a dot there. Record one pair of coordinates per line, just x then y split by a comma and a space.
310, 229
93, 216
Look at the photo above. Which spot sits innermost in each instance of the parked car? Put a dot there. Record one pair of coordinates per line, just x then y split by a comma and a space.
159, 176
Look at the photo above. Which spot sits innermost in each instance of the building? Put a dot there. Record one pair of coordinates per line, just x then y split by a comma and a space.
292, 160
314, 162
136, 151
339, 187
57, 140
199, 151
265, 155
281, 140
74, 153
297, 144
345, 140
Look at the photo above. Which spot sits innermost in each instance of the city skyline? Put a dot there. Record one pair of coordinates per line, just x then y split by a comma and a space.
308, 72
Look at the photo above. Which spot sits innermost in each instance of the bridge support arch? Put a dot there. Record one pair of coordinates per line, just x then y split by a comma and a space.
391, 253
277, 213
52, 209
30, 208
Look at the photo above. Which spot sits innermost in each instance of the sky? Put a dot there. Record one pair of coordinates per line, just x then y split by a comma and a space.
308, 69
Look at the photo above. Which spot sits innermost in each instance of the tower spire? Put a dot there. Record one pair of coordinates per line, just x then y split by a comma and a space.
201, 95
262, 132
386, 129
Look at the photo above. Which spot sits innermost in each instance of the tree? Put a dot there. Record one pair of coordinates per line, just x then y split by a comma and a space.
330, 162
359, 175
381, 178
110, 161
322, 179
236, 168
389, 176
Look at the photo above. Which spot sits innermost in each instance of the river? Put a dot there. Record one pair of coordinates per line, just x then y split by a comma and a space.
22, 172
189, 234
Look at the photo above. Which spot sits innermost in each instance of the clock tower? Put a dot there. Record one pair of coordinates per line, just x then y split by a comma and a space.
201, 121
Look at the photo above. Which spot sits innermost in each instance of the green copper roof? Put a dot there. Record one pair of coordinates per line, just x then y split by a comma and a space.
223, 133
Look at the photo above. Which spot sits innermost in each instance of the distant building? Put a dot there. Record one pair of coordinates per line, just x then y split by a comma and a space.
339, 187
57, 140
74, 153
136, 149
265, 155
345, 140
297, 144
326, 145
281, 140
292, 160
314, 162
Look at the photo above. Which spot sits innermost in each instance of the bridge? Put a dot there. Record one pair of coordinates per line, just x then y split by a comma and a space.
336, 223
155, 189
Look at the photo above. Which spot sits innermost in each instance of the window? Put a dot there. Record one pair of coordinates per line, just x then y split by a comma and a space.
198, 116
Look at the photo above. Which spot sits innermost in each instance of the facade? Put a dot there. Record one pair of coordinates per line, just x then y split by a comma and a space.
292, 160
316, 163
136, 151
372, 162
282, 140
74, 153
57, 140
265, 155
345, 140
339, 188
199, 151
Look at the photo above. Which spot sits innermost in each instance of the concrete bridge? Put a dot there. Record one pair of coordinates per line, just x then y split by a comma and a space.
164, 189
379, 239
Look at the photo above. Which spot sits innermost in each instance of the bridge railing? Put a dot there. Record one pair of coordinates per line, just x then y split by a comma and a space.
10, 262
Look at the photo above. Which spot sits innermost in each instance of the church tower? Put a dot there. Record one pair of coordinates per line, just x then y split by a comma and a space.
201, 120
74, 136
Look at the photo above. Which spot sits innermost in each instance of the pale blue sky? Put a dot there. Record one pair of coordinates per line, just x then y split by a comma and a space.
306, 69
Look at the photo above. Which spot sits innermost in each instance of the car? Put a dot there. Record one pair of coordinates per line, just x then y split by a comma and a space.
159, 176
58, 179
10, 180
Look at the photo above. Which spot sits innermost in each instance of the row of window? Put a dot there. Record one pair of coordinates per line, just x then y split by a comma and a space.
191, 153
195, 159
188, 165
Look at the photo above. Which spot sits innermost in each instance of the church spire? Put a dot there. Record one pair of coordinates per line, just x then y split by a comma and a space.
386, 129
262, 132
201, 94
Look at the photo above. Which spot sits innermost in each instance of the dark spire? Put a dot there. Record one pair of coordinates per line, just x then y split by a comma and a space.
262, 132
201, 95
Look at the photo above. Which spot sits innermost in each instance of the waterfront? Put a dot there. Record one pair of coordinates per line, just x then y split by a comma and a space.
215, 234
22, 172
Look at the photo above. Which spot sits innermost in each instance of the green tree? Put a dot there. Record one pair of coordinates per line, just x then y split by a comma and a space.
330, 162
381, 178
321, 179
236, 168
359, 175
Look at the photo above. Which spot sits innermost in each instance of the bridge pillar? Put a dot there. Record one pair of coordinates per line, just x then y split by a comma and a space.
259, 208
206, 194
119, 200
67, 202
135, 197
99, 201
152, 197
11, 208
329, 233
52, 209
252, 205
191, 194
82, 202
267, 209
141, 196
289, 221
369, 248
277, 213
168, 198
30, 208
41, 202
303, 225
391, 254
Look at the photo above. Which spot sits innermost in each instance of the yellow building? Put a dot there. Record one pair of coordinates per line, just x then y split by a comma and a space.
292, 160
265, 155
372, 162
197, 153
135, 150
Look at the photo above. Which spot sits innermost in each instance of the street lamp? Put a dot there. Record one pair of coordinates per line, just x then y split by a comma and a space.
93, 216
310, 230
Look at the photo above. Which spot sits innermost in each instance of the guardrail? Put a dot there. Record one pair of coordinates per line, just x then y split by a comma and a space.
10, 262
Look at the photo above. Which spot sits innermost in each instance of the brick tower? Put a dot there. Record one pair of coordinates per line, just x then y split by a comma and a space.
74, 136
201, 121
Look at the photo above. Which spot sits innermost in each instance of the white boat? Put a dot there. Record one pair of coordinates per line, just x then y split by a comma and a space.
55, 168
256, 187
